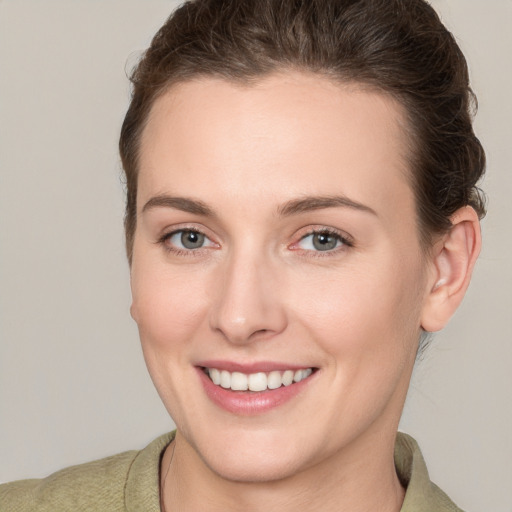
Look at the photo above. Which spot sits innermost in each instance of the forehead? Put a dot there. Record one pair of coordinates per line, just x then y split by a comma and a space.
287, 135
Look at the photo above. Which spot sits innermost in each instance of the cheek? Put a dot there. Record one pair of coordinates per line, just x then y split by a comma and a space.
367, 325
370, 311
167, 306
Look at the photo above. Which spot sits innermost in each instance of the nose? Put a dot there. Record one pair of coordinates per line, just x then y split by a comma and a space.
248, 301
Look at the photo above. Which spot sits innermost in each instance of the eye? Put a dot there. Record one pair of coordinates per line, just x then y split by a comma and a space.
322, 241
187, 240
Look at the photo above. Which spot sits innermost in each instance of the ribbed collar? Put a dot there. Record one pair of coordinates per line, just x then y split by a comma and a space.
142, 489
421, 494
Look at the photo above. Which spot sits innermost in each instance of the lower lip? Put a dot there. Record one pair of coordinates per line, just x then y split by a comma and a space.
250, 403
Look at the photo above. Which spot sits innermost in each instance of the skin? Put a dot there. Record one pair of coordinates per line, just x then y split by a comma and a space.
258, 290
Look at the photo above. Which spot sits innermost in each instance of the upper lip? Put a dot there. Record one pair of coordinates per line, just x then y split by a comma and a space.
248, 368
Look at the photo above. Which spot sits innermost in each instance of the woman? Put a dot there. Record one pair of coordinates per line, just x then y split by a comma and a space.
301, 209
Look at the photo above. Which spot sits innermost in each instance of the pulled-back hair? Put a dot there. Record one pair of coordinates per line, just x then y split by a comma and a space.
399, 47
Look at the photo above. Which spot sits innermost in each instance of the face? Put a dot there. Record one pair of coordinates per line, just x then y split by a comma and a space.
277, 249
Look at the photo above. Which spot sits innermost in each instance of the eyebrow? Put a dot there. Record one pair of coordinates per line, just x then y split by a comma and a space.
179, 203
310, 203
292, 207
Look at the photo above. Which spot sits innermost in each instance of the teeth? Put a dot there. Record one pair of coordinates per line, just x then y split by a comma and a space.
274, 380
288, 377
215, 376
225, 379
302, 374
256, 381
239, 381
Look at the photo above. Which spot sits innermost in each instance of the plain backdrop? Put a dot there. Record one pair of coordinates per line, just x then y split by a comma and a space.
73, 385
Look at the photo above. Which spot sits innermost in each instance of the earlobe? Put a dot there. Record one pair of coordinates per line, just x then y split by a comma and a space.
133, 312
453, 260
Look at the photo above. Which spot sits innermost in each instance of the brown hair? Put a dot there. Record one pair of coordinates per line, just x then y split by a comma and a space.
399, 47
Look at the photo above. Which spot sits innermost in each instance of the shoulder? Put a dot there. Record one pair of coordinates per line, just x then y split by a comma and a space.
98, 482
111, 484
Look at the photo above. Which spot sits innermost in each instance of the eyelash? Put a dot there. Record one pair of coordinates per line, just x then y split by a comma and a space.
346, 242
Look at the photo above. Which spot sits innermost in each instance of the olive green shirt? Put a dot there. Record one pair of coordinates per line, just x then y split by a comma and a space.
129, 482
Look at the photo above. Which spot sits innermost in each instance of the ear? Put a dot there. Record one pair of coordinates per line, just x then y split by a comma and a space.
453, 259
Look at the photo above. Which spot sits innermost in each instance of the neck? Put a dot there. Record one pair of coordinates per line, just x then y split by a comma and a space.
361, 478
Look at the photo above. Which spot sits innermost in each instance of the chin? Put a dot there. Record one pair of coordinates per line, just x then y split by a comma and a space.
255, 457
252, 470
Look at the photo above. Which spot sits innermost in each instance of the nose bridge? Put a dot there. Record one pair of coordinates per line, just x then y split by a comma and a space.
247, 301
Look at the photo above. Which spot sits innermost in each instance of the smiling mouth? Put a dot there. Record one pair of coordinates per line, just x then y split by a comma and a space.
257, 382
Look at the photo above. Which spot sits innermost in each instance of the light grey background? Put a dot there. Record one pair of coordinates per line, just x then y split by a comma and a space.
73, 385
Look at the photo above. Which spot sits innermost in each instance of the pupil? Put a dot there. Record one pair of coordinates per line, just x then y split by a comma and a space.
192, 239
324, 241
